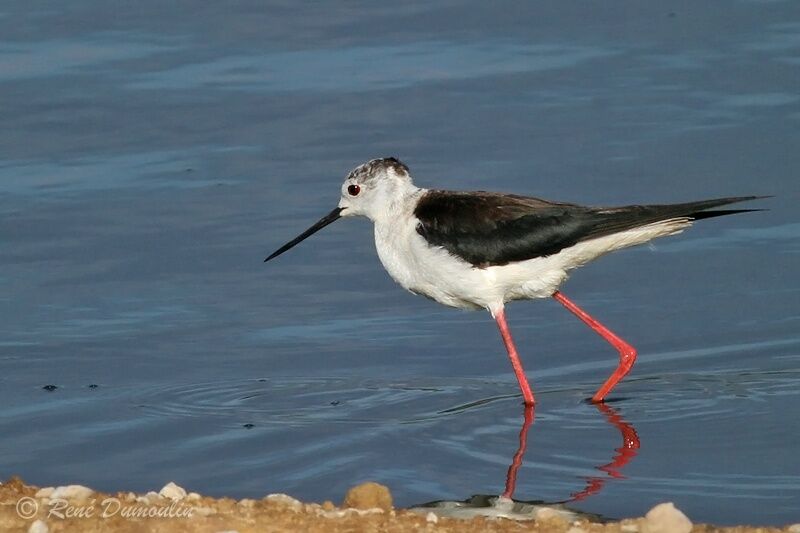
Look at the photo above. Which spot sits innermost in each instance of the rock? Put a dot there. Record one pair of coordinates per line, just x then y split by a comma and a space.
247, 502
665, 518
71, 492
44, 492
149, 498
39, 526
193, 496
368, 495
173, 492
794, 528
547, 513
503, 505
431, 518
285, 499
629, 526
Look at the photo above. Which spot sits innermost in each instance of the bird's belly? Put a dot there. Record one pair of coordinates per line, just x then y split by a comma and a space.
531, 279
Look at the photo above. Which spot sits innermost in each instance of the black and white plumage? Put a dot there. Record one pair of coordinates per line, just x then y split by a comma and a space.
476, 250
492, 229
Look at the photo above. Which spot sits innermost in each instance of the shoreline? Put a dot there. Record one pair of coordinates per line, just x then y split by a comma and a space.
365, 507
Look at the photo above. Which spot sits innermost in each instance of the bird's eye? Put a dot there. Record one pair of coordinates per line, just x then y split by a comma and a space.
353, 190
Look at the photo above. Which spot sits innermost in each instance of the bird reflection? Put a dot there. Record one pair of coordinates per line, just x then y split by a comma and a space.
624, 455
594, 484
516, 462
506, 506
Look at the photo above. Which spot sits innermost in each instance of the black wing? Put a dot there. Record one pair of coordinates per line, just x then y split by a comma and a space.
488, 229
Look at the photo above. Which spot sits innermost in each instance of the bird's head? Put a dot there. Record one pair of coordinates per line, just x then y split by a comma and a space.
373, 190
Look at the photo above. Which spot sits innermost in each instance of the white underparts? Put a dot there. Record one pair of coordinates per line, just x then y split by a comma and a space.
433, 272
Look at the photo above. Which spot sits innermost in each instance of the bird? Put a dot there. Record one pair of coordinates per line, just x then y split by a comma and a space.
481, 250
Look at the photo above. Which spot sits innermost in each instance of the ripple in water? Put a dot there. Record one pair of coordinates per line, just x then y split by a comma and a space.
304, 400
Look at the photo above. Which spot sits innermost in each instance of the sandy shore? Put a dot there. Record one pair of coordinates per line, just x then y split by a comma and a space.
367, 507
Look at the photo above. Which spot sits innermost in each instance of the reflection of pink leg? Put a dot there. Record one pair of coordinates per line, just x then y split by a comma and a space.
630, 442
627, 353
629, 449
527, 393
513, 468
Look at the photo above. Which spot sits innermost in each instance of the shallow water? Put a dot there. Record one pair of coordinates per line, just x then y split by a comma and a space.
153, 155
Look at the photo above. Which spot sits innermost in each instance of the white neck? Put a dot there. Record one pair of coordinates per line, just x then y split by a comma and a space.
400, 202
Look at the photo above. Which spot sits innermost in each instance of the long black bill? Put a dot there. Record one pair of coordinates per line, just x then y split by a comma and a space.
333, 216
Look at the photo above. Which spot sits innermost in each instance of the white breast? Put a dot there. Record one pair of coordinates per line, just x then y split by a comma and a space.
431, 271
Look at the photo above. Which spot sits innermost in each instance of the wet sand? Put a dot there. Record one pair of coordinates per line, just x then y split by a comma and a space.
366, 507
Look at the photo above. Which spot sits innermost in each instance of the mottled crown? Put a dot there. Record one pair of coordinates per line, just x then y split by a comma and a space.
371, 169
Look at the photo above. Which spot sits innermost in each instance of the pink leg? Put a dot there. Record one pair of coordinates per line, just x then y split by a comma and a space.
527, 393
627, 353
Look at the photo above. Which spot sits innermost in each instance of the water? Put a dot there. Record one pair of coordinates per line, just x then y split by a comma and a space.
153, 154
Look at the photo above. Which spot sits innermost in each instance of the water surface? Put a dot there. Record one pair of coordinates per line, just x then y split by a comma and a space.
152, 155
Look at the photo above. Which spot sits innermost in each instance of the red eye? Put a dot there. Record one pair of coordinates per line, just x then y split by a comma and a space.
353, 190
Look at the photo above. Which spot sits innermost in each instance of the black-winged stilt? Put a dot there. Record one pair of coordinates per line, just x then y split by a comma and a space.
480, 250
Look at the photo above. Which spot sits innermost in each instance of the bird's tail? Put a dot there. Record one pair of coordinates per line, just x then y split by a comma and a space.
704, 208
613, 220
622, 227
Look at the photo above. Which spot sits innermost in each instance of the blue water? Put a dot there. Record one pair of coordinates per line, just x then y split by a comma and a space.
152, 154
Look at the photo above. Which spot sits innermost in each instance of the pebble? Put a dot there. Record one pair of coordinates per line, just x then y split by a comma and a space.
503, 504
172, 491
149, 498
71, 492
39, 526
629, 526
666, 518
368, 495
546, 513
44, 492
285, 499
431, 518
